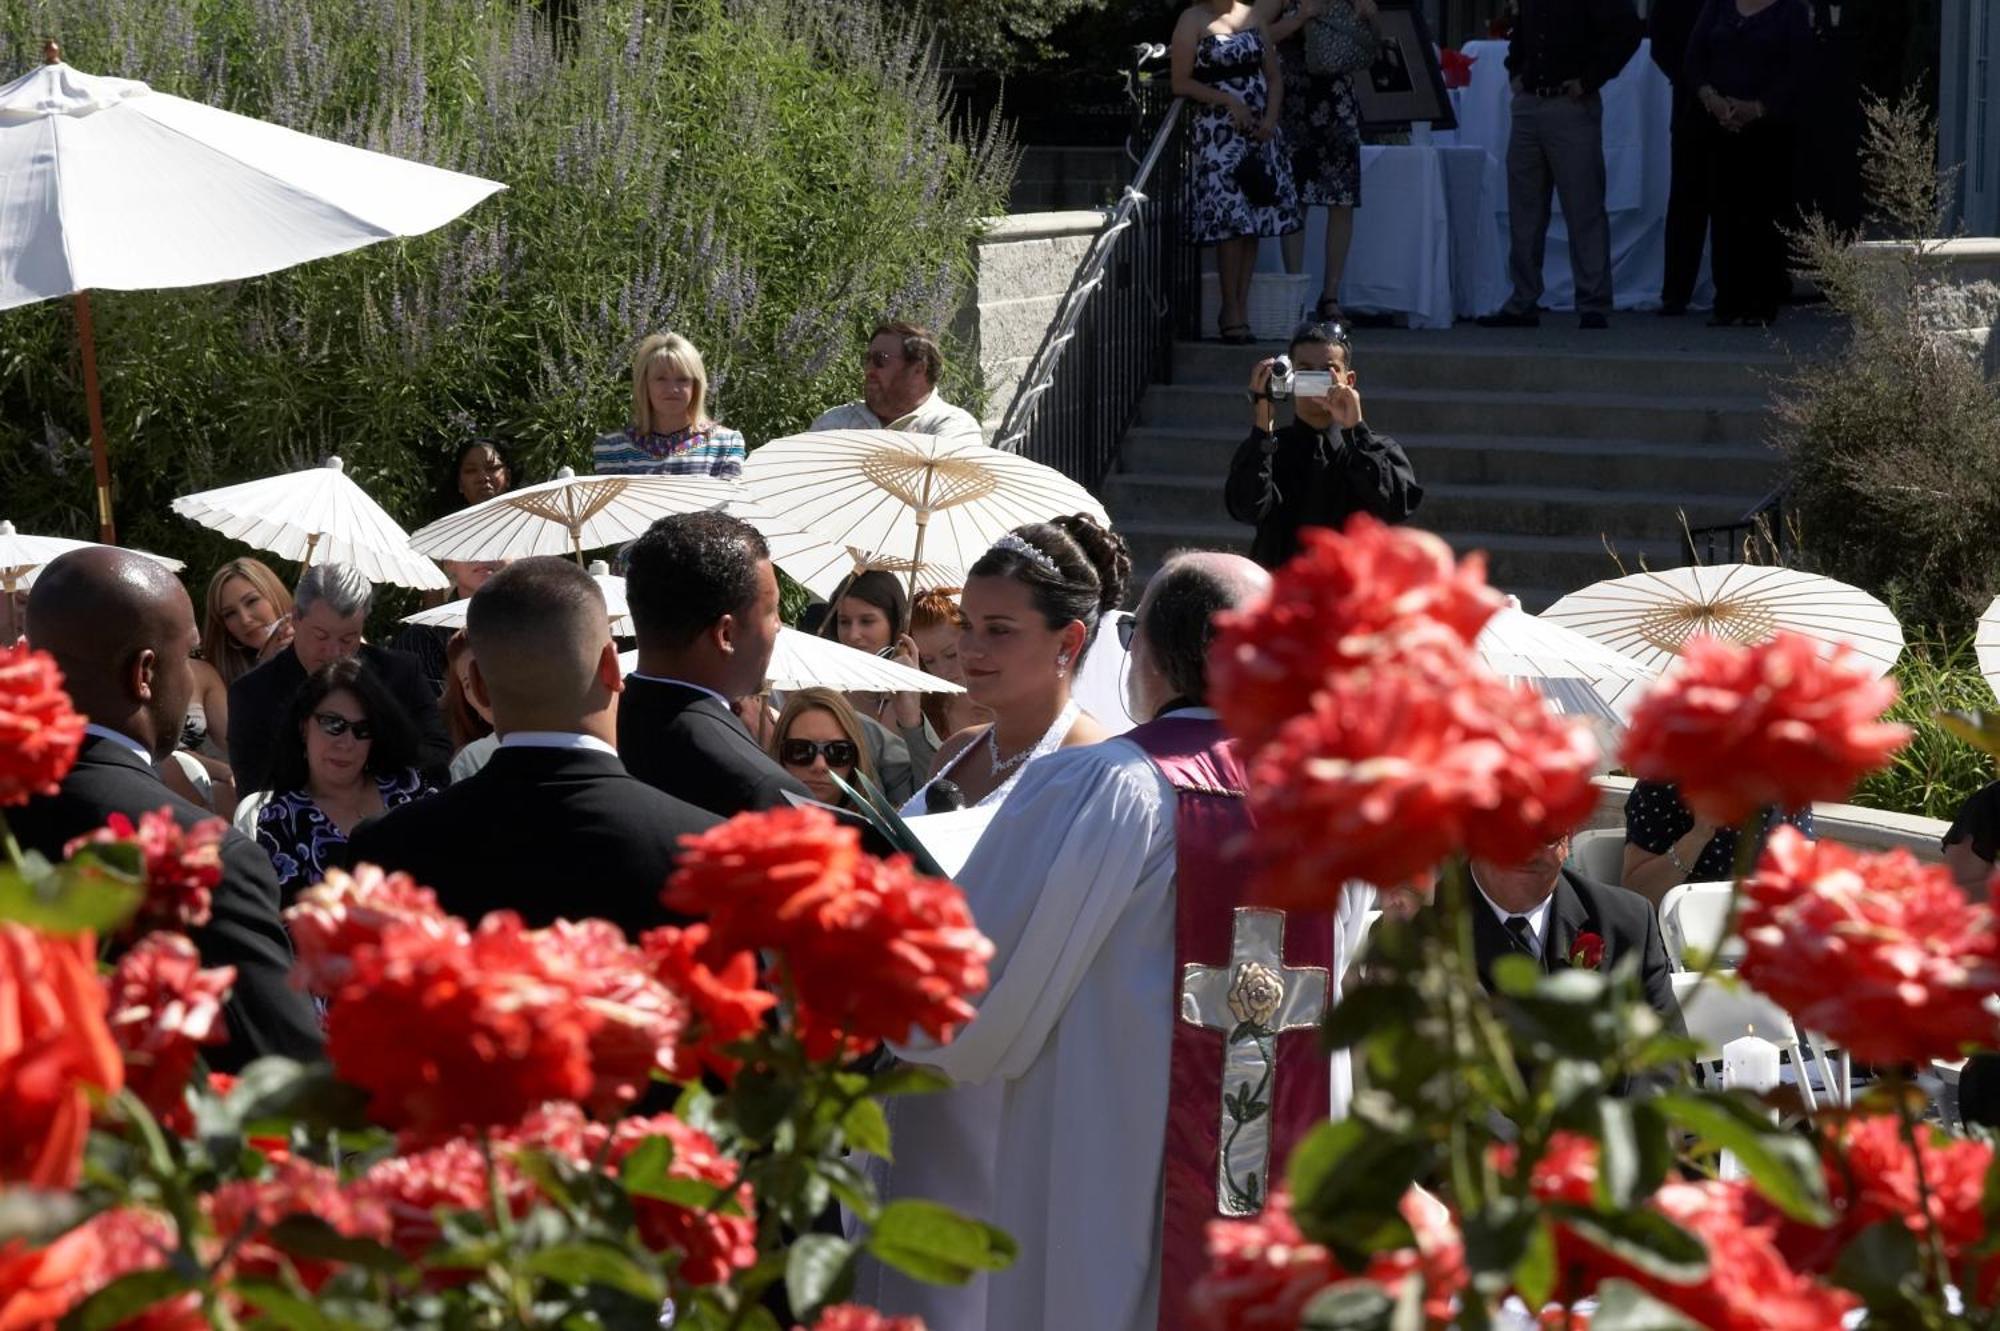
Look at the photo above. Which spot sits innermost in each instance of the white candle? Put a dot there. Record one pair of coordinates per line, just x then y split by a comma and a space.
1750, 1063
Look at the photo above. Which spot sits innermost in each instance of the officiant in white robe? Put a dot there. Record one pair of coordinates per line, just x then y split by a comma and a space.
1057, 1129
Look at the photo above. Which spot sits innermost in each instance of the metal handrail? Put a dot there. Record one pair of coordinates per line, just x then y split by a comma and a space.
1135, 349
1762, 526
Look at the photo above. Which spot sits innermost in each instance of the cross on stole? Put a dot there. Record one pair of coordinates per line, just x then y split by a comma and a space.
1251, 1000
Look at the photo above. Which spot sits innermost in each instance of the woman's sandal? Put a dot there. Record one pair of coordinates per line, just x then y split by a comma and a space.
1236, 335
1328, 311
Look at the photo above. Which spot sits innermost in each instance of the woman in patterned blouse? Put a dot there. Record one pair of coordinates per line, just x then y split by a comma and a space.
670, 434
348, 754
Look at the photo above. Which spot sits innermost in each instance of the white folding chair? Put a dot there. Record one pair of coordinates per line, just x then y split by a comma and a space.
1599, 854
1723, 1009
1694, 917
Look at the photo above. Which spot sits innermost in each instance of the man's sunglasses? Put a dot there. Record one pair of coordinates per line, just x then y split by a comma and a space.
881, 360
801, 752
333, 725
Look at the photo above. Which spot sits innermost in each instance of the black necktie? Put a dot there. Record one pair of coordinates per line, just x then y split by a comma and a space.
1522, 934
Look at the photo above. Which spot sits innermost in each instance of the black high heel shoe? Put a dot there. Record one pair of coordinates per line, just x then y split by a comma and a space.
1328, 311
1235, 335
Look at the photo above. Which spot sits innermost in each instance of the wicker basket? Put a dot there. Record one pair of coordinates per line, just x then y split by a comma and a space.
1277, 304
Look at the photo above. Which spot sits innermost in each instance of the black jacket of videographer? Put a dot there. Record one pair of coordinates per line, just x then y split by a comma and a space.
1296, 476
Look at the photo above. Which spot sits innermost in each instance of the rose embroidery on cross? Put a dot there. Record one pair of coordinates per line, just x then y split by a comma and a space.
1255, 996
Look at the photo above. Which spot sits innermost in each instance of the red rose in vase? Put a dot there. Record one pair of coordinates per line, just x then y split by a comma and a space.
39, 731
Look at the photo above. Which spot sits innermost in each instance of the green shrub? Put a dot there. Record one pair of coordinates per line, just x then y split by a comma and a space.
1894, 443
766, 179
1937, 770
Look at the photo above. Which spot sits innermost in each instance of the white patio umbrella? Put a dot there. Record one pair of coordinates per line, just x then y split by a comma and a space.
802, 661
917, 498
21, 557
1986, 645
567, 516
112, 185
1649, 616
315, 514
1524, 646
451, 615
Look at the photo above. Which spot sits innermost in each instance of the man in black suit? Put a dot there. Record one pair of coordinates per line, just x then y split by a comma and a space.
1541, 908
122, 629
704, 603
553, 825
328, 611
1670, 24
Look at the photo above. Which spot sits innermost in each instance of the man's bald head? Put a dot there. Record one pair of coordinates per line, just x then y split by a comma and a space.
539, 632
1176, 624
122, 628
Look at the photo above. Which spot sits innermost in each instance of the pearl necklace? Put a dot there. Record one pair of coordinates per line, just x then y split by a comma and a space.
1063, 722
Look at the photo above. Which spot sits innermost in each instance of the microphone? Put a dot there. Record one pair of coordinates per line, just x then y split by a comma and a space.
944, 797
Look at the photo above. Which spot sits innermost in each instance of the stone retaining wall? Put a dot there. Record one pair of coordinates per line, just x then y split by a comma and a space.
1966, 306
1851, 825
1024, 265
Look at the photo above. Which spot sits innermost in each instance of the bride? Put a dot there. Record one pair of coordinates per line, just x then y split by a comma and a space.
1031, 607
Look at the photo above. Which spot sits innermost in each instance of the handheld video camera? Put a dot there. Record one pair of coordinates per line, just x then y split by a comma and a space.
1288, 382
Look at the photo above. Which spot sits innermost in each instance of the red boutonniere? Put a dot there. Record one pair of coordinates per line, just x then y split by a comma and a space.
1456, 67
1587, 952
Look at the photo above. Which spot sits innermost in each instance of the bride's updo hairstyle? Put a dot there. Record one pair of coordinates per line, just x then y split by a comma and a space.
1073, 569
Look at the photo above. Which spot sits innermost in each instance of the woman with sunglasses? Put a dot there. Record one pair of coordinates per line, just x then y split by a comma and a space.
348, 753
818, 737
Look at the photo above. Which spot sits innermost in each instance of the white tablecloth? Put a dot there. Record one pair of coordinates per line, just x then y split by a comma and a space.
1430, 239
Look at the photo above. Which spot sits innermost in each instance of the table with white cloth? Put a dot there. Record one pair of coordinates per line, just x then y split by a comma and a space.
1431, 236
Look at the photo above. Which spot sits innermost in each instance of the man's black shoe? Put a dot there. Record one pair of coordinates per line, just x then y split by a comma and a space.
1510, 319
1593, 320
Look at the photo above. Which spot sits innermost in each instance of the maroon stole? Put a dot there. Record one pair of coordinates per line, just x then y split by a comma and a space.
1248, 1078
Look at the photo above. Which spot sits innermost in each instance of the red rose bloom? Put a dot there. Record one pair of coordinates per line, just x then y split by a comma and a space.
896, 951
760, 876
39, 731
1397, 766
449, 1034
1749, 1286
245, 1210
853, 1317
1880, 953
38, 1287
54, 1049
1587, 952
1776, 725
725, 1003
163, 1007
181, 869
413, 1189
337, 918
1346, 599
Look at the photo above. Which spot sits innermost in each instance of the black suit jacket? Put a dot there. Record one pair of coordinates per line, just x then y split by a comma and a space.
550, 833
683, 741
261, 701
265, 1014
1626, 921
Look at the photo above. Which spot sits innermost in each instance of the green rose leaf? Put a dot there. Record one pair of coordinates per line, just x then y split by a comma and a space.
1371, 1010
1347, 1181
1785, 1167
1646, 1239
1535, 1273
908, 1079
1637, 1152
936, 1244
1351, 1305
278, 1306
1882, 1265
311, 1237
595, 1264
1623, 1306
125, 1298
816, 1269
866, 1128
99, 890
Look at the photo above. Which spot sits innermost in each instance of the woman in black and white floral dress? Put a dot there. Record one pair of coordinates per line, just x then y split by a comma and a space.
1323, 136
1242, 180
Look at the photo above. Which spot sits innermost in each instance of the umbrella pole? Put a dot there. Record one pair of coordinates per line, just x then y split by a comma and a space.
312, 539
576, 542
100, 451
923, 529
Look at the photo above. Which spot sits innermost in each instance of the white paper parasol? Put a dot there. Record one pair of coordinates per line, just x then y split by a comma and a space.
315, 515
1649, 616
802, 661
906, 500
567, 516
1519, 644
110, 185
451, 615
21, 557
1986, 644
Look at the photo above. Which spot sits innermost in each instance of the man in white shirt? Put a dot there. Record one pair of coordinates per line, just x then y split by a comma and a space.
899, 389
1122, 955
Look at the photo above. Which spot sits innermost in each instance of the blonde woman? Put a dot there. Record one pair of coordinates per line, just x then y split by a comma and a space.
819, 734
671, 433
246, 618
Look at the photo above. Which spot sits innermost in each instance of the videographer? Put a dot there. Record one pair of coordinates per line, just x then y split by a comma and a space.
1326, 465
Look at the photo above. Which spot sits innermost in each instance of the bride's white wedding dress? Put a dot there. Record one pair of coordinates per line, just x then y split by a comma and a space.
1046, 745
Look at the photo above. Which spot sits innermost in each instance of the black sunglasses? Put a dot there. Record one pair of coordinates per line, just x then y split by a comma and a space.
801, 752
1128, 628
333, 725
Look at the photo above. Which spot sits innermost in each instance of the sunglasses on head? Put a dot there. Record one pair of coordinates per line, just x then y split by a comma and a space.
801, 752
333, 725
1128, 628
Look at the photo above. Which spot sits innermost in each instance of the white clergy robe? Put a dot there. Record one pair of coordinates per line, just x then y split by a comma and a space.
1056, 1129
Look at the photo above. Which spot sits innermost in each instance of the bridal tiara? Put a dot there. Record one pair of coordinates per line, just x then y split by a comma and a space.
1014, 545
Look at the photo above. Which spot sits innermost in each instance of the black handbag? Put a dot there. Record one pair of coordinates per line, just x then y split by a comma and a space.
1339, 43
1255, 179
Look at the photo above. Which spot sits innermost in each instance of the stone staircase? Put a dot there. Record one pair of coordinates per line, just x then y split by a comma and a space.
1551, 450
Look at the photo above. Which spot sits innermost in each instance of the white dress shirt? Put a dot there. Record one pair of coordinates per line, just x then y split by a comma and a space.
1537, 916
698, 688
555, 739
121, 739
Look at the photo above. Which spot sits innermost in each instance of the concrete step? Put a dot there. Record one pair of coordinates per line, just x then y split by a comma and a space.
1620, 464
1740, 419
1534, 510
1538, 569
1399, 360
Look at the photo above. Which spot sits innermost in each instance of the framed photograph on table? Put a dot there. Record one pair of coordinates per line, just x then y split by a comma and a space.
1404, 86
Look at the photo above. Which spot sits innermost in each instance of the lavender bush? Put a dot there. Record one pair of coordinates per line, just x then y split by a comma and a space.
765, 179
